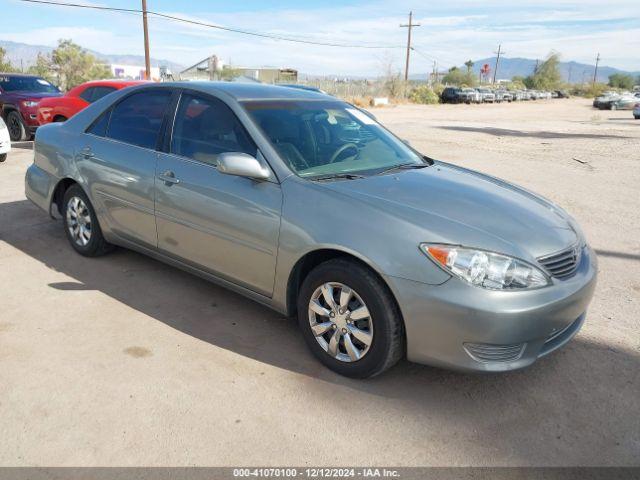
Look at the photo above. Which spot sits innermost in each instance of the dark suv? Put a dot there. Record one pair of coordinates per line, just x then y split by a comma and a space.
19, 97
451, 95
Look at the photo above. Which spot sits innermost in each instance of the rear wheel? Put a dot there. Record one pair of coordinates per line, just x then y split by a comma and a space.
3, 156
17, 130
81, 224
349, 319
637, 117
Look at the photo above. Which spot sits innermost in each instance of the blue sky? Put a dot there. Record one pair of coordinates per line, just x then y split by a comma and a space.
452, 31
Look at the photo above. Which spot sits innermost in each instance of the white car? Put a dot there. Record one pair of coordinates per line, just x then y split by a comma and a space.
5, 141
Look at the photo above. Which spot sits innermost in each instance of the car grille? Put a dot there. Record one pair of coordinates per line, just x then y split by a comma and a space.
563, 264
484, 352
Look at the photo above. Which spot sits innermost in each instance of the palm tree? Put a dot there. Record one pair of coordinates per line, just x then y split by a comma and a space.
469, 64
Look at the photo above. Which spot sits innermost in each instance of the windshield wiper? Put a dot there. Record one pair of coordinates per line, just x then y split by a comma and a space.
345, 176
404, 166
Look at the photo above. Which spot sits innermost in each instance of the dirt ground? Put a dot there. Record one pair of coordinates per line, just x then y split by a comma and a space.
125, 361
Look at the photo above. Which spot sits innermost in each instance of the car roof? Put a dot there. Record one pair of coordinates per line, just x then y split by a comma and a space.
14, 74
251, 91
117, 81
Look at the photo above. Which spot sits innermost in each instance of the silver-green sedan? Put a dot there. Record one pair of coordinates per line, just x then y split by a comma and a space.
308, 205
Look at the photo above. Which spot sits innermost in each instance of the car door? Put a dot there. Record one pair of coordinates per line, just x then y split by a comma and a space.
223, 224
118, 161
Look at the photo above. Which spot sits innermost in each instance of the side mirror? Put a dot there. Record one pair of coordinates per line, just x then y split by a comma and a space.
242, 165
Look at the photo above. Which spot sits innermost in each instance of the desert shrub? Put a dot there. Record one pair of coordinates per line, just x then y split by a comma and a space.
424, 95
589, 90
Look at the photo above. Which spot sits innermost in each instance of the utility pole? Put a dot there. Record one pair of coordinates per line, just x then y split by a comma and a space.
409, 26
495, 70
147, 60
595, 73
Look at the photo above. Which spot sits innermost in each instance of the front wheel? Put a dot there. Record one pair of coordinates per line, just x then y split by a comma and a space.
637, 117
17, 130
3, 156
350, 320
81, 224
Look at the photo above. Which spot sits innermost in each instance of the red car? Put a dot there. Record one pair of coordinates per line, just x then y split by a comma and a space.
59, 109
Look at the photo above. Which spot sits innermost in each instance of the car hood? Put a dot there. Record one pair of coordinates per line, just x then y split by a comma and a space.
33, 95
459, 206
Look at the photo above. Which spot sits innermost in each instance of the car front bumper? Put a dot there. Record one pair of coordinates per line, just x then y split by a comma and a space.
5, 141
459, 326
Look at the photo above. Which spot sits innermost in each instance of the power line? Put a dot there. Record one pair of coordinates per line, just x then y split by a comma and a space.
283, 38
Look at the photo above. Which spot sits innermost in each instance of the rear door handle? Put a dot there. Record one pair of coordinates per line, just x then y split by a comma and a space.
86, 152
169, 178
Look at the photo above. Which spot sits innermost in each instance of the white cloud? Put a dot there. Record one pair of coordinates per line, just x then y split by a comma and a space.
578, 29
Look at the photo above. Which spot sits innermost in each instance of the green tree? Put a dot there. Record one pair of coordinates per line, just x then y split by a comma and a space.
621, 80
43, 68
457, 77
73, 65
423, 94
469, 64
5, 64
547, 76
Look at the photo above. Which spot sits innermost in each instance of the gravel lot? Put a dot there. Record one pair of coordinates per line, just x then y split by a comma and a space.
125, 361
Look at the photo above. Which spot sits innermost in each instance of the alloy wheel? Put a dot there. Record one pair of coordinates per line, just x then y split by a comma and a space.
340, 322
15, 129
79, 221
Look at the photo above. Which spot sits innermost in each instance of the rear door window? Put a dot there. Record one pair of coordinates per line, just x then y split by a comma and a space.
93, 94
138, 118
87, 94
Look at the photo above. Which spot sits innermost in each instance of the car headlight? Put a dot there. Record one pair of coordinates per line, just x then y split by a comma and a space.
486, 269
29, 103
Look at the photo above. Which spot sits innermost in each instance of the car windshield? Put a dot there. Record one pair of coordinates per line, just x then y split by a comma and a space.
26, 84
328, 138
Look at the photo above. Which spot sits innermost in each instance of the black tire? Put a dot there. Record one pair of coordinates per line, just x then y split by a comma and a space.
3, 157
17, 130
637, 117
97, 245
388, 344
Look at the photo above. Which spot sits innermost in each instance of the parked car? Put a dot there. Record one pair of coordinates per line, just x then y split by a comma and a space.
636, 111
60, 109
469, 95
487, 95
626, 102
5, 141
504, 96
562, 94
604, 102
450, 95
302, 202
19, 97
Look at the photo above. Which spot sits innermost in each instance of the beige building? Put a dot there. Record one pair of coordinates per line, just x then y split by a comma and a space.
211, 68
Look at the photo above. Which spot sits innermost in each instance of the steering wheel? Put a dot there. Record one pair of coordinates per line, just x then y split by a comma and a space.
341, 149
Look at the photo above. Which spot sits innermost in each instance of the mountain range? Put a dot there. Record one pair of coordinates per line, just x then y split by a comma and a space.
571, 72
24, 55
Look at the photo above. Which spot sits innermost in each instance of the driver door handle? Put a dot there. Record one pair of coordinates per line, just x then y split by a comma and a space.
169, 178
